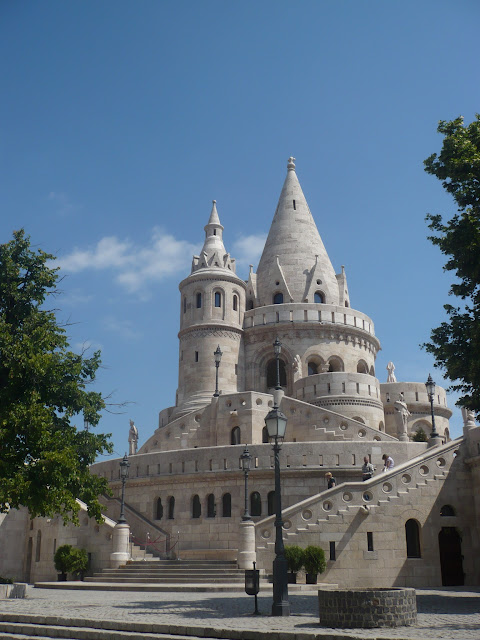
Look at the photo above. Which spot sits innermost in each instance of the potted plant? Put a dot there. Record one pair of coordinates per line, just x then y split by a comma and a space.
80, 562
314, 563
294, 558
69, 559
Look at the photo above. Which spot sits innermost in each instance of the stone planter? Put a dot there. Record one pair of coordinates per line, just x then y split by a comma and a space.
367, 608
291, 578
17, 590
311, 578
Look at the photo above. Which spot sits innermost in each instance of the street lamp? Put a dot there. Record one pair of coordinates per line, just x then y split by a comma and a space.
276, 423
277, 347
430, 385
218, 356
245, 462
124, 465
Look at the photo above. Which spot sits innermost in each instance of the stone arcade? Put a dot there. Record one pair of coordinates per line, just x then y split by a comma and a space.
408, 527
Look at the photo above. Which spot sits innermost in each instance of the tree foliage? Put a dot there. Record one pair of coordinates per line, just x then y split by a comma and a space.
456, 342
44, 459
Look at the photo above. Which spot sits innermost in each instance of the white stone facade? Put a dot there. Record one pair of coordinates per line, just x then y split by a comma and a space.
186, 487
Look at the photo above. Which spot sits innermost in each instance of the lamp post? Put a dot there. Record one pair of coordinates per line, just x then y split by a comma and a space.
245, 462
124, 465
276, 423
218, 356
277, 347
430, 385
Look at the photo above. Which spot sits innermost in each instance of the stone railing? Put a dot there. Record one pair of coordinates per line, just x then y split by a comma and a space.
308, 312
363, 496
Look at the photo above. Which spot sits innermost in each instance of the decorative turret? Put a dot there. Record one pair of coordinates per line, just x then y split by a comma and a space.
294, 265
213, 253
211, 315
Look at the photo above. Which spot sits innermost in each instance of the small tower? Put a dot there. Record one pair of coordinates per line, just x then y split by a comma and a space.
211, 315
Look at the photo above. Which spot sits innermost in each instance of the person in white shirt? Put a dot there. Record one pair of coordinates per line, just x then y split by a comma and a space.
388, 463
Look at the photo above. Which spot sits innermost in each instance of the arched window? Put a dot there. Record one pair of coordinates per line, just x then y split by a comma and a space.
318, 297
158, 509
250, 304
412, 536
265, 435
272, 374
211, 511
199, 300
271, 503
346, 303
372, 370
278, 298
362, 366
235, 303
335, 364
226, 505
38, 550
218, 299
312, 368
255, 504
184, 305
447, 510
171, 507
196, 507
235, 436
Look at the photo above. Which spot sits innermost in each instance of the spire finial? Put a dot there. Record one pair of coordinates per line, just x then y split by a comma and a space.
291, 164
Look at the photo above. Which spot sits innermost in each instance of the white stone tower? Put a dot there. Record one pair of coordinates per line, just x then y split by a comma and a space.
211, 315
329, 349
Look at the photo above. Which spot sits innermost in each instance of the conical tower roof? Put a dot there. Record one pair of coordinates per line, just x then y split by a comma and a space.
213, 254
294, 261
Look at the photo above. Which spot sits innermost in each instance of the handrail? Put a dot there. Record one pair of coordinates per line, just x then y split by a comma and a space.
139, 515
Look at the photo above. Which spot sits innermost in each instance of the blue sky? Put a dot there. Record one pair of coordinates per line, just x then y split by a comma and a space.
121, 121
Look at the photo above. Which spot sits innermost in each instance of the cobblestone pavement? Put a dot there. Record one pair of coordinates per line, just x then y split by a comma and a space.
450, 613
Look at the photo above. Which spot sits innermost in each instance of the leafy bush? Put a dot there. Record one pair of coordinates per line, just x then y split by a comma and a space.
6, 580
294, 557
69, 559
420, 435
314, 559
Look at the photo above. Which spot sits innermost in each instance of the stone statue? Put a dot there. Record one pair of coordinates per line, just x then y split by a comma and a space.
391, 375
132, 439
401, 416
297, 368
468, 419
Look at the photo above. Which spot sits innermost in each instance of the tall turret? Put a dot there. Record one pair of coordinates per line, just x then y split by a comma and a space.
328, 348
294, 262
211, 315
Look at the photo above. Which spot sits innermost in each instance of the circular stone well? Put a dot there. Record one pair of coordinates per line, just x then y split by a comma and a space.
367, 608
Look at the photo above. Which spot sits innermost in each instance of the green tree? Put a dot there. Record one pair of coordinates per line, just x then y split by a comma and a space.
456, 342
44, 459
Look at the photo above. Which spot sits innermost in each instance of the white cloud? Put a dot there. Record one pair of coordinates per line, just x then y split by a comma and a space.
123, 328
136, 266
63, 203
248, 249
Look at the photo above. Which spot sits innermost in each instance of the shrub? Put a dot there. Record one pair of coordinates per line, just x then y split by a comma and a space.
420, 435
69, 559
294, 557
314, 559
6, 580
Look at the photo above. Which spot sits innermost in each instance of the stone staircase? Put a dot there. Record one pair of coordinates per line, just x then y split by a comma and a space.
173, 572
340, 504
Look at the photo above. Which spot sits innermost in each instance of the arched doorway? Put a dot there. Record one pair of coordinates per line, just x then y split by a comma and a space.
451, 559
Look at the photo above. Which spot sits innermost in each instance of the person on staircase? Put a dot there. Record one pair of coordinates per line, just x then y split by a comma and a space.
388, 462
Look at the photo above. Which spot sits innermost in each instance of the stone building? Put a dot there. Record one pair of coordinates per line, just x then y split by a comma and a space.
416, 525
